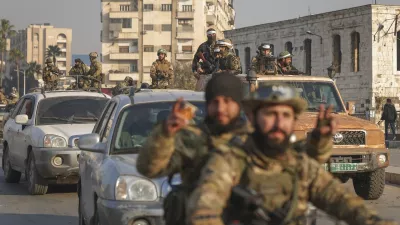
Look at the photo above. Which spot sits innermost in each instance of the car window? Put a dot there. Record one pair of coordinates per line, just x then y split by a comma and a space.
17, 108
69, 110
137, 121
27, 108
107, 123
100, 123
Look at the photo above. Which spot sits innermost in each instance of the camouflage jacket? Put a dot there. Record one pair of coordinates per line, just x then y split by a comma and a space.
3, 98
161, 73
117, 89
50, 73
259, 67
208, 53
186, 152
273, 179
230, 62
95, 70
286, 69
78, 70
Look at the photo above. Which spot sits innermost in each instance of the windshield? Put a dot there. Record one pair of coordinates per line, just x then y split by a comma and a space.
69, 110
315, 93
136, 122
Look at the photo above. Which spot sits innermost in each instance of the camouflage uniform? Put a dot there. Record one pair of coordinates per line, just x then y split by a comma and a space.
288, 68
264, 64
161, 72
229, 61
205, 51
285, 184
128, 82
3, 98
95, 71
80, 69
13, 97
50, 75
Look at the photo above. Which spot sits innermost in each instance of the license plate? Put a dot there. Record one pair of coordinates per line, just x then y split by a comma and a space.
341, 167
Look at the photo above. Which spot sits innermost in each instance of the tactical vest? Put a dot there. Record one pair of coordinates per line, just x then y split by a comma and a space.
266, 65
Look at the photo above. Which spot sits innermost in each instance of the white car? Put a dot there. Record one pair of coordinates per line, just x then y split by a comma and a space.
41, 134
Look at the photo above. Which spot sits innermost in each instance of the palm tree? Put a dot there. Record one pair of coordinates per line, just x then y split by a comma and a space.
6, 31
16, 57
53, 51
33, 70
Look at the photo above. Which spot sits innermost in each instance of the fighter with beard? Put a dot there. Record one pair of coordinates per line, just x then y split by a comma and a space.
204, 60
284, 179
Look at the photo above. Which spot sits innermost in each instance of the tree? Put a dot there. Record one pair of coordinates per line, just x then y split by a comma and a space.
184, 78
6, 31
53, 51
33, 70
16, 57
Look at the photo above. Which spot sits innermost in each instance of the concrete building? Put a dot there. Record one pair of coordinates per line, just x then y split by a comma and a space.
133, 31
363, 41
34, 40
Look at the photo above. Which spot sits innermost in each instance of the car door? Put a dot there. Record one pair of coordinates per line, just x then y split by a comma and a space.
10, 132
85, 164
23, 135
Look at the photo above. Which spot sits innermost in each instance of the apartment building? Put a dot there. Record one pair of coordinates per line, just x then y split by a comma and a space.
133, 31
34, 40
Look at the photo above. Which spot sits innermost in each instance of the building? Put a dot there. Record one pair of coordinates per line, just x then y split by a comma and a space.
363, 41
133, 31
34, 40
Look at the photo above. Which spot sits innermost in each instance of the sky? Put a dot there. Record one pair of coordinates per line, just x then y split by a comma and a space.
83, 16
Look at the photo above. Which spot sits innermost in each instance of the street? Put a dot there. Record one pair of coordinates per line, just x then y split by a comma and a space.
59, 206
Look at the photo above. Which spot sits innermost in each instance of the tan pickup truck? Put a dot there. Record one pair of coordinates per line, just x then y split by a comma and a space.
359, 148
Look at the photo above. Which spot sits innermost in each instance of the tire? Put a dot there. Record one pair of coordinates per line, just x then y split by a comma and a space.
10, 175
370, 186
36, 184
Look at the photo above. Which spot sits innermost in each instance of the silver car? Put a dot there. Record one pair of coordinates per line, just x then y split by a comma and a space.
110, 190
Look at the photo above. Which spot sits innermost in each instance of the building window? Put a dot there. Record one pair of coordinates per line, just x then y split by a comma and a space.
186, 48
149, 48
247, 58
337, 53
166, 7
123, 49
355, 51
307, 57
166, 47
115, 20
134, 66
398, 51
148, 27
237, 52
126, 23
272, 49
183, 22
187, 8
289, 47
124, 8
166, 27
148, 7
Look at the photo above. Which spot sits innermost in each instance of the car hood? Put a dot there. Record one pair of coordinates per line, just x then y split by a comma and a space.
67, 130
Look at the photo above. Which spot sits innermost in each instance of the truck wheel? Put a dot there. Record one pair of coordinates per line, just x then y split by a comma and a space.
370, 186
36, 184
10, 175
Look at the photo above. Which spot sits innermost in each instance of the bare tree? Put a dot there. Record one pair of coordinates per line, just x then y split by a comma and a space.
183, 78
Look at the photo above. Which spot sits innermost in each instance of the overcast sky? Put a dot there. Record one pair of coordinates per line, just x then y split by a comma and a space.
83, 16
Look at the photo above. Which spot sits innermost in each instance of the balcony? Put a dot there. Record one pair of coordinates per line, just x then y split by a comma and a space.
115, 27
211, 19
121, 76
123, 14
61, 40
184, 56
63, 49
185, 32
127, 35
185, 15
211, 2
61, 59
124, 56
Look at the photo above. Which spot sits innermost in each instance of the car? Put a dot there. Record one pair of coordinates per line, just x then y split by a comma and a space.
359, 150
41, 133
3, 111
110, 190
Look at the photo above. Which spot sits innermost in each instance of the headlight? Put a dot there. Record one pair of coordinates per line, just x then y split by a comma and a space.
135, 189
54, 141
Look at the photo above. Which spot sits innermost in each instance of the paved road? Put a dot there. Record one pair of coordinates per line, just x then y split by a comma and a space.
59, 206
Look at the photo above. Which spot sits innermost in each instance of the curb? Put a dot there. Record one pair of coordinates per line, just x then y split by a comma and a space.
392, 175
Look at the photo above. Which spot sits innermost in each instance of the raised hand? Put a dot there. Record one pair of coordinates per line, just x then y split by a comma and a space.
326, 123
176, 119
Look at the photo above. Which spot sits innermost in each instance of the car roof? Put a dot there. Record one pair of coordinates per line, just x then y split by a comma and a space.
289, 78
162, 95
67, 93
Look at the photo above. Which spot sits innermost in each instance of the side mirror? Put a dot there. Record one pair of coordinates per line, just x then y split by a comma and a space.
91, 143
22, 119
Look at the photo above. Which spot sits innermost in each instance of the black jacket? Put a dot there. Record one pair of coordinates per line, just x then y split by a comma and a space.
389, 113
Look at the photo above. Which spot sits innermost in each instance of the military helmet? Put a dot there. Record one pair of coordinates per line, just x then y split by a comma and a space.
225, 43
93, 54
78, 60
49, 60
128, 78
162, 51
276, 94
264, 46
284, 54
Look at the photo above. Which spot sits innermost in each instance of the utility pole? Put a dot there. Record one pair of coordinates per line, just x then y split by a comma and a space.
140, 42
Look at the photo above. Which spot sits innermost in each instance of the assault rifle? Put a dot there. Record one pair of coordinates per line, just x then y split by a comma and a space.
207, 65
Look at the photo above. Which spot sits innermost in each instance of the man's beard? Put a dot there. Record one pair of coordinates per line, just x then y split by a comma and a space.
270, 147
216, 128
211, 39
